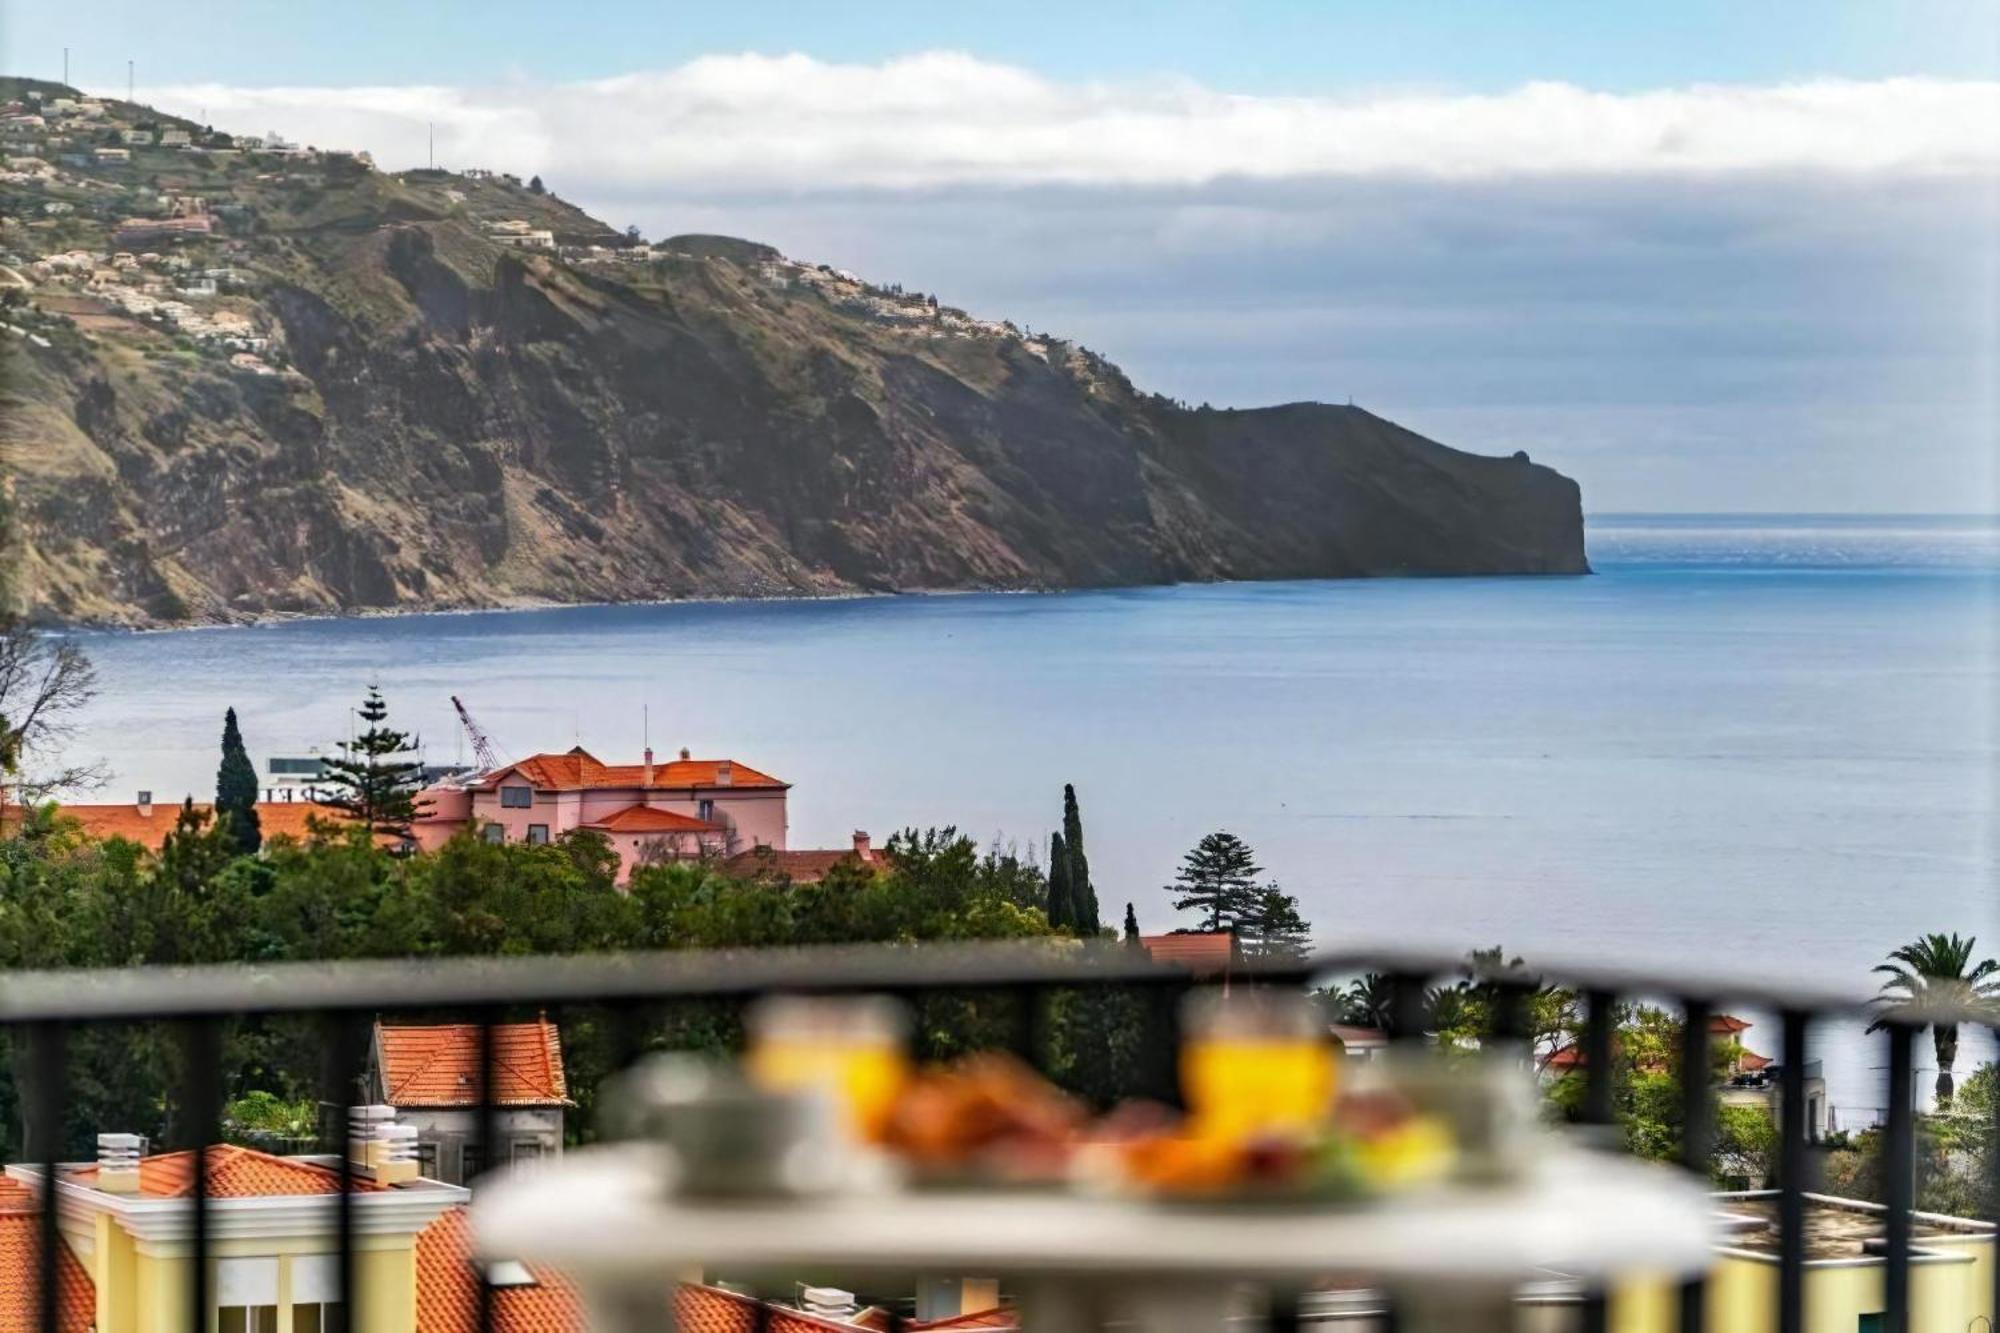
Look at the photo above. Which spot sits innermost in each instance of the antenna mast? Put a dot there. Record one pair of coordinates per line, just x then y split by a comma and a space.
482, 744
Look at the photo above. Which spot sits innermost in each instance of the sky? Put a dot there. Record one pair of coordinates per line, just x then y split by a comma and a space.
1708, 256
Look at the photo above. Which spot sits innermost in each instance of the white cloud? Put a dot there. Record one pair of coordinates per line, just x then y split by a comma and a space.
943, 119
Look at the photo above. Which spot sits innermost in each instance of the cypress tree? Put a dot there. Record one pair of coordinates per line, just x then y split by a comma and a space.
236, 789
1083, 897
375, 780
1132, 927
1062, 909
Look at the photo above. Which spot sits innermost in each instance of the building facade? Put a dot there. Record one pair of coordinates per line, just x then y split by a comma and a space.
430, 1075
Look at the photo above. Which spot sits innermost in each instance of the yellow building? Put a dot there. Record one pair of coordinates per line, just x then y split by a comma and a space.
1951, 1273
274, 1269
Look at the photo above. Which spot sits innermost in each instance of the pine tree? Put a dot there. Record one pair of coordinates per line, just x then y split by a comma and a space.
1082, 897
1062, 903
374, 781
236, 789
1132, 928
1219, 880
1273, 927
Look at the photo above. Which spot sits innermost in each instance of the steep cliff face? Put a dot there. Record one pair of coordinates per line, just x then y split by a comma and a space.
435, 418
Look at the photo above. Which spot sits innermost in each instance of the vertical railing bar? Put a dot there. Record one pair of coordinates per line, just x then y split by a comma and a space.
1599, 1110
50, 1110
1993, 1215
201, 1103
489, 1145
1899, 1185
1599, 1010
1792, 1175
1697, 1134
345, 1054
1407, 1005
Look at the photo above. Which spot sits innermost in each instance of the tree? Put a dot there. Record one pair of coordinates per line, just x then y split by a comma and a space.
236, 789
45, 681
374, 781
1082, 897
1062, 904
1272, 928
1219, 880
535, 185
1933, 980
1132, 927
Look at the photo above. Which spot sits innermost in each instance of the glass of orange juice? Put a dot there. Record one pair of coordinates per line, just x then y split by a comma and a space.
852, 1048
1255, 1061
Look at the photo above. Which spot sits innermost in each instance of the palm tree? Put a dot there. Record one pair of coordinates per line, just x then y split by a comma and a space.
1928, 977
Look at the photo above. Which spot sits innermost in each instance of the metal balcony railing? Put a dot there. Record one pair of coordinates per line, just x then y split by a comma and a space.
45, 1007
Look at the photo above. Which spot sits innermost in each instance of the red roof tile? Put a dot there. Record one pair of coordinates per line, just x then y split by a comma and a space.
151, 828
1726, 1023
649, 819
1198, 951
233, 1173
804, 865
700, 1309
578, 769
439, 1066
20, 1256
448, 1288
1752, 1061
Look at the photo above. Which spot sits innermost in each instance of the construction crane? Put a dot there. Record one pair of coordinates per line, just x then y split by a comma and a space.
482, 744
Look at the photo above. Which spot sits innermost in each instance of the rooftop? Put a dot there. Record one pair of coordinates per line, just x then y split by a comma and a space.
233, 1173
579, 770
1198, 951
149, 824
649, 819
804, 865
1836, 1229
20, 1249
439, 1065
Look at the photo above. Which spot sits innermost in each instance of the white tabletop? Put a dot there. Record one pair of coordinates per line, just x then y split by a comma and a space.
602, 1215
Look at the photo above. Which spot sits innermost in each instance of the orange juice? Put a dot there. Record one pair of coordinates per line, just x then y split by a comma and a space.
1241, 1085
850, 1048
863, 1078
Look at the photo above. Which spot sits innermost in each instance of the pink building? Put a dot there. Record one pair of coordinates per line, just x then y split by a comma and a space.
650, 812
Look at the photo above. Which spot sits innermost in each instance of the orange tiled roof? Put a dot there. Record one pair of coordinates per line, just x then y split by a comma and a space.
1752, 1061
649, 819
150, 829
1726, 1023
579, 769
20, 1255
700, 1309
233, 1173
1198, 951
448, 1291
805, 865
439, 1066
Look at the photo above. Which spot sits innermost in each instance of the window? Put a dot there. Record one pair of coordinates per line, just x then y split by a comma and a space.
538, 833
527, 1150
470, 1163
517, 798
427, 1163
319, 1317
705, 810
493, 833
246, 1319
1872, 1323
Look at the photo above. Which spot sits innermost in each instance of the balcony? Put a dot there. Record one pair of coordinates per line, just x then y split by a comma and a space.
1576, 1238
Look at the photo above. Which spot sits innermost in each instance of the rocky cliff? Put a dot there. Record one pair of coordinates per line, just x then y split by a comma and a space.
248, 380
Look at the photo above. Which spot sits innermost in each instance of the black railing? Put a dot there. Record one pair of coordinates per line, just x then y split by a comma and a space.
42, 1009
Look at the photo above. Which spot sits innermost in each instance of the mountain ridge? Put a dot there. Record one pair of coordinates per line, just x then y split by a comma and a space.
252, 379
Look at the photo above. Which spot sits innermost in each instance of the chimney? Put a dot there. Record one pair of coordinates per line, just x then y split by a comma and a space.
145, 805
649, 766
684, 754
863, 851
827, 1302
378, 1147
725, 773
118, 1162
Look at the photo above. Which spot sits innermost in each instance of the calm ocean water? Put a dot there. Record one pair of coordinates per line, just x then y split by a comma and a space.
1758, 743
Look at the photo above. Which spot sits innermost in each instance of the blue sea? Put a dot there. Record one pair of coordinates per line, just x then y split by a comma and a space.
1760, 743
